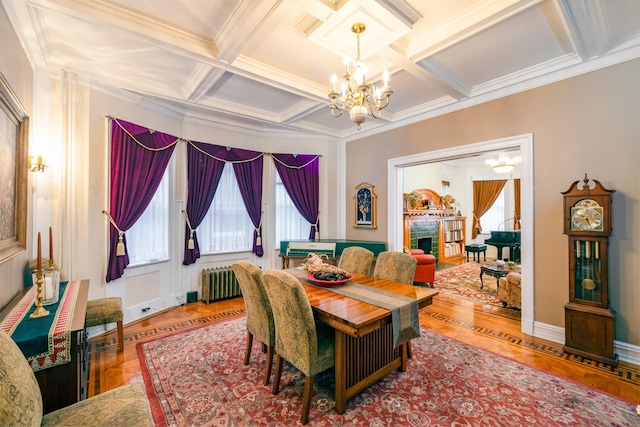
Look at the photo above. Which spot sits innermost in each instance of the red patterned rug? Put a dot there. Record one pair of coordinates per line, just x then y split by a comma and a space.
197, 378
463, 281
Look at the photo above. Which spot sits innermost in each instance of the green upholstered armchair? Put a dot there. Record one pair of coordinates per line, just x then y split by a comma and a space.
21, 401
259, 316
307, 347
356, 259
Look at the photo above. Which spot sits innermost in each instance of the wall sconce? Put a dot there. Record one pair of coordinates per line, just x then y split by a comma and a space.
37, 164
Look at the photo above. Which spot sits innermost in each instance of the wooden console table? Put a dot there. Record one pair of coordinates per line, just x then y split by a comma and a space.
65, 384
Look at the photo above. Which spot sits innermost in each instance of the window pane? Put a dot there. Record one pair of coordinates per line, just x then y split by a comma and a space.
494, 218
290, 225
147, 240
227, 226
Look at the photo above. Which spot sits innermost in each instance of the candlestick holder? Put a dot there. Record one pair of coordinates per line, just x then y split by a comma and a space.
39, 311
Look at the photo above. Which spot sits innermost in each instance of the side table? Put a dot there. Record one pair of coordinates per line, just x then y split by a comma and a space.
496, 271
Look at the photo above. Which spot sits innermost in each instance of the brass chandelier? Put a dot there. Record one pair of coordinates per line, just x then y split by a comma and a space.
356, 95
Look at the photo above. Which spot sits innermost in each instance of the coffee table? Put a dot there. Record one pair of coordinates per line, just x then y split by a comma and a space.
495, 270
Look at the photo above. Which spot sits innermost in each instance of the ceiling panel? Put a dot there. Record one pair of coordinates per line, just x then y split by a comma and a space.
267, 64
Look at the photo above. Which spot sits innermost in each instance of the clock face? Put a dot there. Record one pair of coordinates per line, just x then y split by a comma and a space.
586, 215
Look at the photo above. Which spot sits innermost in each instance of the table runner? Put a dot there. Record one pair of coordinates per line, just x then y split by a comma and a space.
404, 310
44, 341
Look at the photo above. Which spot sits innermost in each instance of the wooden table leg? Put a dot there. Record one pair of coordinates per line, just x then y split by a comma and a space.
403, 357
340, 372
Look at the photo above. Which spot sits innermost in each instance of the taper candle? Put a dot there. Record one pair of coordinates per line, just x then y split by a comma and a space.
50, 244
39, 265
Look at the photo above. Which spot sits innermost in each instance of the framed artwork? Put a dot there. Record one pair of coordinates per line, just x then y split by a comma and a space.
14, 128
365, 204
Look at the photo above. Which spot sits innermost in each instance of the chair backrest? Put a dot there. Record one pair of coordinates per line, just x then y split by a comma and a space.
356, 259
395, 266
20, 398
259, 315
296, 334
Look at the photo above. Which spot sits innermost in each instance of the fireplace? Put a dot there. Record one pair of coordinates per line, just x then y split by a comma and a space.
425, 243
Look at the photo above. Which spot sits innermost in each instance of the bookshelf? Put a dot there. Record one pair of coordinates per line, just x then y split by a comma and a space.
452, 238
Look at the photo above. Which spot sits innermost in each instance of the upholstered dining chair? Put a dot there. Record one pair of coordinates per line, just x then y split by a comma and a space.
21, 399
309, 348
397, 267
259, 315
356, 259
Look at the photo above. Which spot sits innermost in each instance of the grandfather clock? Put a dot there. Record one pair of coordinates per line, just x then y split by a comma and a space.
589, 321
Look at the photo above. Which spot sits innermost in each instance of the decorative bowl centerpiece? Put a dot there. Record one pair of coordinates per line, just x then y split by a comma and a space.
323, 274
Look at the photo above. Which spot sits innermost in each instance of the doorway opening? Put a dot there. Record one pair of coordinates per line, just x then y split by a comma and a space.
523, 143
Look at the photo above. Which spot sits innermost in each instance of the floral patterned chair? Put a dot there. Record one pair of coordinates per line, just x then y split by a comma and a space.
259, 315
395, 266
21, 401
356, 259
305, 345
510, 291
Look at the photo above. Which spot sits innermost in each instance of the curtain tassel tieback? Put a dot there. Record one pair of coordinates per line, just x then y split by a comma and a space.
317, 235
120, 245
258, 233
190, 244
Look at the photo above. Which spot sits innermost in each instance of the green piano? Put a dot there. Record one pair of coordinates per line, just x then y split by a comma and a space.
332, 248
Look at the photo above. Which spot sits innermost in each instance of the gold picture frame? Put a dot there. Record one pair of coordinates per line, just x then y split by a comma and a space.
365, 203
14, 131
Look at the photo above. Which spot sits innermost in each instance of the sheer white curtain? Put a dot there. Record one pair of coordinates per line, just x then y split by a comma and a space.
495, 217
290, 225
227, 226
147, 240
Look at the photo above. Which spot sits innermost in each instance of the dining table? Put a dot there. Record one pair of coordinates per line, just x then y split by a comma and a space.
366, 345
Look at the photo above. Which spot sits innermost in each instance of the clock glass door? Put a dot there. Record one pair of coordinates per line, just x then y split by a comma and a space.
588, 272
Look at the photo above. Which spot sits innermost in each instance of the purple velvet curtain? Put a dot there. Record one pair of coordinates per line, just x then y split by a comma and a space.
300, 177
249, 177
248, 166
139, 157
203, 177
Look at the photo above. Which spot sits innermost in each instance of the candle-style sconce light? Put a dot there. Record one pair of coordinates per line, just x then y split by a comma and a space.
37, 163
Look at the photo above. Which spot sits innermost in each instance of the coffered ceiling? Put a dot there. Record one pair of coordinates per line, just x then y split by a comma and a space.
265, 65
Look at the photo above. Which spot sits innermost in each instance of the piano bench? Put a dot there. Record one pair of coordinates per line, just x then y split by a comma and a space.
476, 249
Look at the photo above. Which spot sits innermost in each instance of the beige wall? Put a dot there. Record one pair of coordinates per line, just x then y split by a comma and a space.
590, 123
15, 68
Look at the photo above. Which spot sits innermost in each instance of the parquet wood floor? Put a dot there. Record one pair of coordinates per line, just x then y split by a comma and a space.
468, 322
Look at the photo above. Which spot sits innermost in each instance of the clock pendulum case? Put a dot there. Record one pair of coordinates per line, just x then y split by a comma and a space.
589, 321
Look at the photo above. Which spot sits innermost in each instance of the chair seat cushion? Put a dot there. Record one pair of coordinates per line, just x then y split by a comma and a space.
103, 311
123, 406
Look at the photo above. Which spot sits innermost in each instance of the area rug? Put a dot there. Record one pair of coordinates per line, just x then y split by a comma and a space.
197, 378
463, 281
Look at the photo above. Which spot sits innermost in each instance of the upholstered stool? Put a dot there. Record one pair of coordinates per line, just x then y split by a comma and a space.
104, 311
